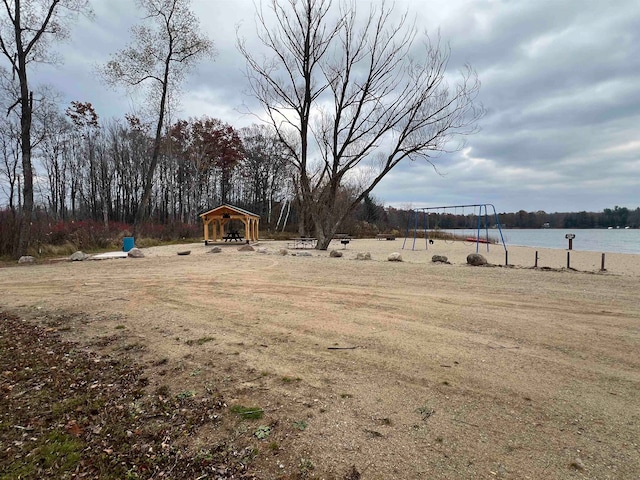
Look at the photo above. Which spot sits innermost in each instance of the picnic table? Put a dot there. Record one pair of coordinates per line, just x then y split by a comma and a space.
385, 236
303, 242
233, 235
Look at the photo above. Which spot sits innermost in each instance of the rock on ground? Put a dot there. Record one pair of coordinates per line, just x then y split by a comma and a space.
135, 253
26, 259
78, 256
304, 254
335, 254
476, 259
394, 257
215, 250
440, 259
283, 252
363, 256
262, 250
246, 248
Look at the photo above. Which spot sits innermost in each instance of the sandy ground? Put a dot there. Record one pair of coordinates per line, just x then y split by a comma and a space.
403, 370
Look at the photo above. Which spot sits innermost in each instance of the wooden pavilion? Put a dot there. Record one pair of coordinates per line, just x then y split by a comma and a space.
215, 220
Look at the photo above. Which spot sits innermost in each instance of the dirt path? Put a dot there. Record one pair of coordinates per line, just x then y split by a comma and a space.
403, 370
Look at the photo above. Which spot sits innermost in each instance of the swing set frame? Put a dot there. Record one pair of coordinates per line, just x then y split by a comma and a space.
414, 215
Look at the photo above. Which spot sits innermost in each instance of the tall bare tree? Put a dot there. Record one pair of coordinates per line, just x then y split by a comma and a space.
26, 27
159, 56
351, 97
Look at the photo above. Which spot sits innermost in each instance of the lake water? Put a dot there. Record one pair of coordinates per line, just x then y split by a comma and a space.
595, 240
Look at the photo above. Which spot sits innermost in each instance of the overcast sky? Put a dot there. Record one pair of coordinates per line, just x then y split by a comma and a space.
560, 83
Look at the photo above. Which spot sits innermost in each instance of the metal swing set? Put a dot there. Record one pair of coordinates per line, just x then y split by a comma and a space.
483, 216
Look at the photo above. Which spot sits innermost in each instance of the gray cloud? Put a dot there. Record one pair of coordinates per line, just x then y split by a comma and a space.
560, 82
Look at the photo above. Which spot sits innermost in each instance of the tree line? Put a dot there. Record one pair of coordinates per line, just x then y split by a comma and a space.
89, 170
372, 217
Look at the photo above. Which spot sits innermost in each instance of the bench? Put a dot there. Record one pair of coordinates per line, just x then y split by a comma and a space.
385, 236
302, 242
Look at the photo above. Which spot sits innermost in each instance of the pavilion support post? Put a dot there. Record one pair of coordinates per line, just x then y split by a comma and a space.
247, 232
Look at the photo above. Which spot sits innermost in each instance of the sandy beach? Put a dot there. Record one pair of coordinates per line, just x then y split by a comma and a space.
394, 370
456, 252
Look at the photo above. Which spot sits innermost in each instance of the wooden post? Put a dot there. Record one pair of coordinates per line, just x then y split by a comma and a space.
206, 231
568, 259
602, 269
506, 258
536, 262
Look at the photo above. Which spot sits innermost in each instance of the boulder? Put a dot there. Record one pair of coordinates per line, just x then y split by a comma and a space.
78, 256
476, 259
283, 252
440, 259
185, 252
246, 248
394, 257
135, 253
363, 256
26, 259
335, 254
215, 250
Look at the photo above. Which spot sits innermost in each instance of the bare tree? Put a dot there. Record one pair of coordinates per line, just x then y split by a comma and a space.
10, 162
351, 98
26, 26
158, 58
266, 170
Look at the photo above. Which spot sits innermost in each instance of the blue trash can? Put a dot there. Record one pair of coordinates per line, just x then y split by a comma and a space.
127, 244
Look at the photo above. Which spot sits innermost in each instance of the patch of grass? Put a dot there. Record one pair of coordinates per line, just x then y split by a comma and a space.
247, 413
346, 395
120, 327
301, 425
67, 248
274, 446
262, 432
185, 394
57, 453
61, 449
305, 466
200, 341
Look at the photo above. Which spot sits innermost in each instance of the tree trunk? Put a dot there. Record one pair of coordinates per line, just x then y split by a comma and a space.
143, 207
26, 102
